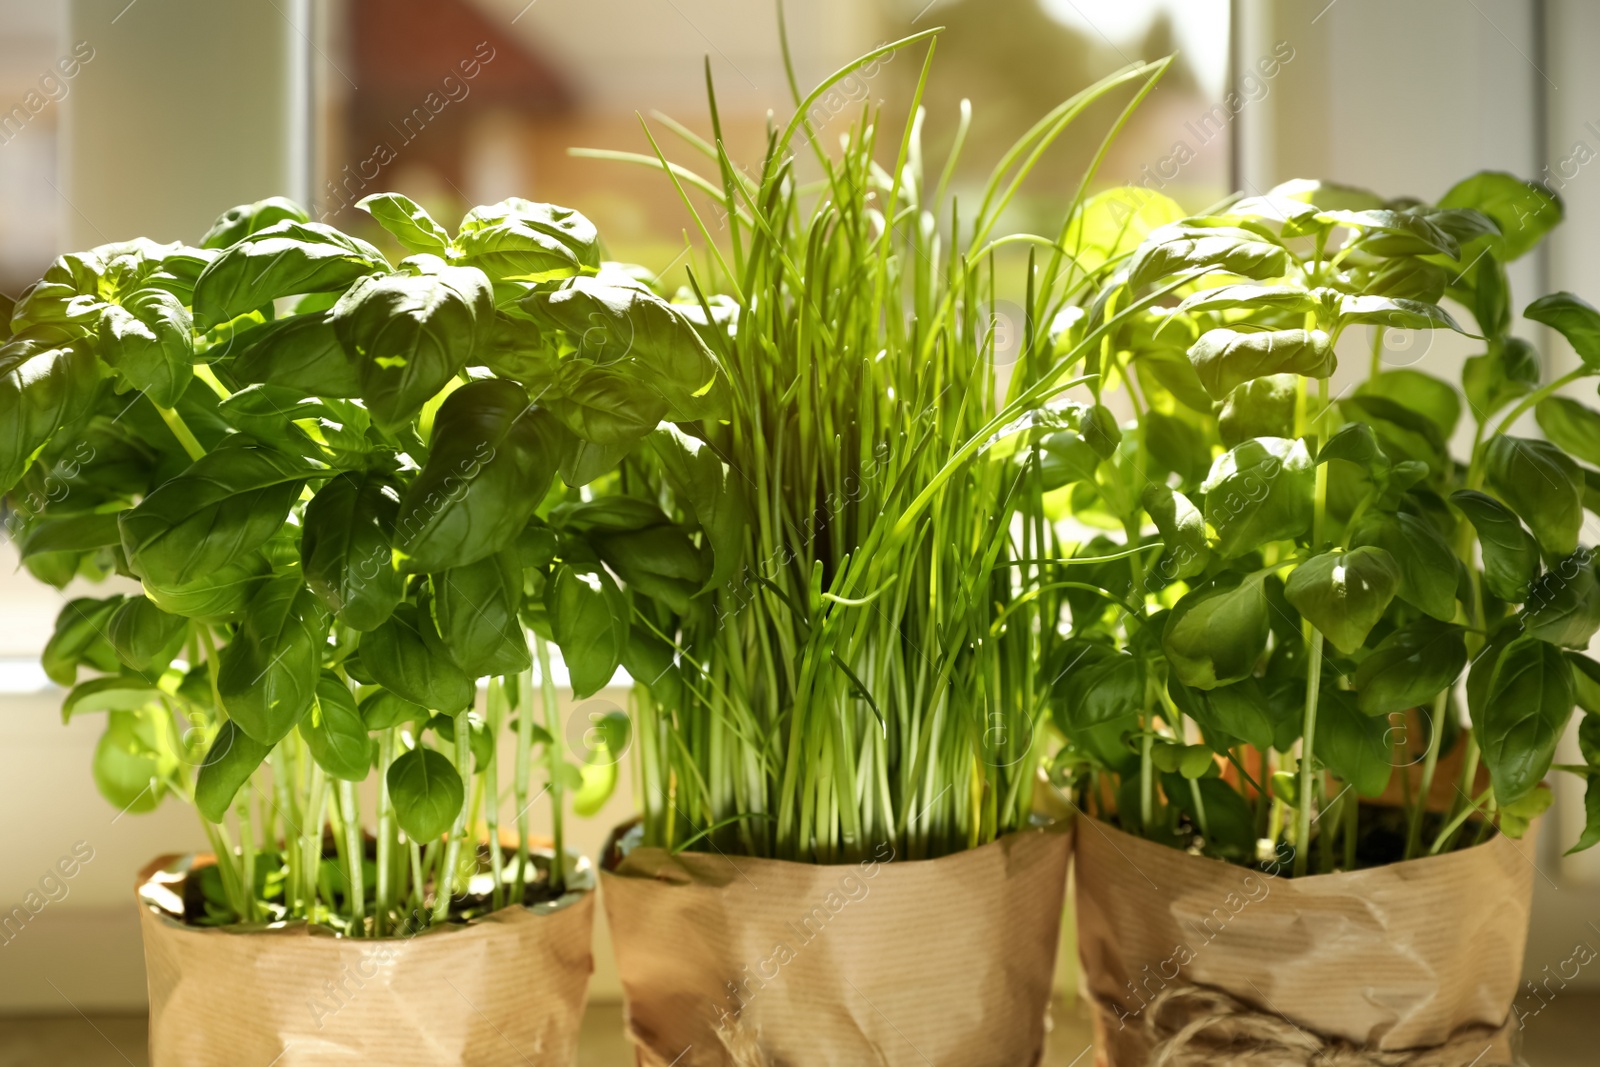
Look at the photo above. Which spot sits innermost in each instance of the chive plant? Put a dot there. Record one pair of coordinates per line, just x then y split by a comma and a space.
1331, 564
853, 663
335, 479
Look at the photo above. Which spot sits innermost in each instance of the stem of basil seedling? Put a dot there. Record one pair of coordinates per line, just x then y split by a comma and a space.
181, 431
552, 718
355, 855
523, 773
311, 841
383, 901
1302, 854
444, 892
495, 718
1430, 764
1456, 823
247, 852
227, 866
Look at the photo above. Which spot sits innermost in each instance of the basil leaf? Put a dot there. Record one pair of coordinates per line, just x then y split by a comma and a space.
1387, 232
406, 655
43, 385
409, 334
346, 549
1344, 594
493, 458
1216, 633
237, 223
1260, 408
476, 608
519, 239
711, 491
1226, 358
1290, 298
1530, 698
661, 563
268, 673
1229, 713
383, 710
1563, 604
1575, 319
1524, 211
1428, 569
335, 732
1591, 816
1181, 247
1259, 491
1509, 370
1409, 668
80, 638
1396, 313
589, 617
1183, 532
1434, 399
1541, 484
301, 352
285, 259
604, 406
1092, 684
1352, 745
1510, 553
230, 761
426, 791
149, 340
407, 221
1176, 444
226, 504
1355, 442
128, 762
217, 596
1572, 426
145, 637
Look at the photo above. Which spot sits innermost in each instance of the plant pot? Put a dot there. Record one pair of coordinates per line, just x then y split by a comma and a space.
729, 960
1188, 960
505, 989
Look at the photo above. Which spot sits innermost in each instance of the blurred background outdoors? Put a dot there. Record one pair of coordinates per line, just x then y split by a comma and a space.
175, 110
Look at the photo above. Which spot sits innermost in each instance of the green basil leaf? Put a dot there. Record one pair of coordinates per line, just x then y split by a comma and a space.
1575, 319
268, 673
1101, 431
285, 259
1092, 684
335, 731
1563, 604
1176, 444
427, 793
407, 656
226, 504
1431, 397
1586, 684
493, 458
1216, 633
230, 761
711, 491
301, 352
1510, 553
1524, 211
383, 710
1530, 698
70, 533
43, 385
237, 223
217, 596
115, 692
519, 239
1572, 426
1387, 232
1352, 745
1230, 713
1257, 492
1260, 408
589, 617
1509, 370
1181, 247
476, 609
1428, 569
1395, 313
1591, 817
660, 563
1226, 358
604, 406
1491, 297
407, 221
346, 548
1543, 485
1183, 532
1404, 432
128, 762
1355, 442
1344, 594
145, 637
149, 340
80, 638
409, 334
1290, 298
1409, 668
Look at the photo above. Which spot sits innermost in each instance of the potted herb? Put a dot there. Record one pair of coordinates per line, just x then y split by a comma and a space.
837, 724
328, 474
1302, 843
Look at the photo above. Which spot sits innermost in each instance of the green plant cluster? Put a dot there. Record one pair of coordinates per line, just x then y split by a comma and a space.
1332, 563
347, 489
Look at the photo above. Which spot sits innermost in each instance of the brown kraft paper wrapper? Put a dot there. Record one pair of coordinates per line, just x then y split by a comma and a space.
1414, 964
506, 989
729, 961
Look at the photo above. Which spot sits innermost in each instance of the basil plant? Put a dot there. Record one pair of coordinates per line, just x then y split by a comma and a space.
1332, 561
343, 487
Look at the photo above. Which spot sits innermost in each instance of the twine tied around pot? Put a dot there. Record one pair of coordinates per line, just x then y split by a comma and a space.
1197, 1026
